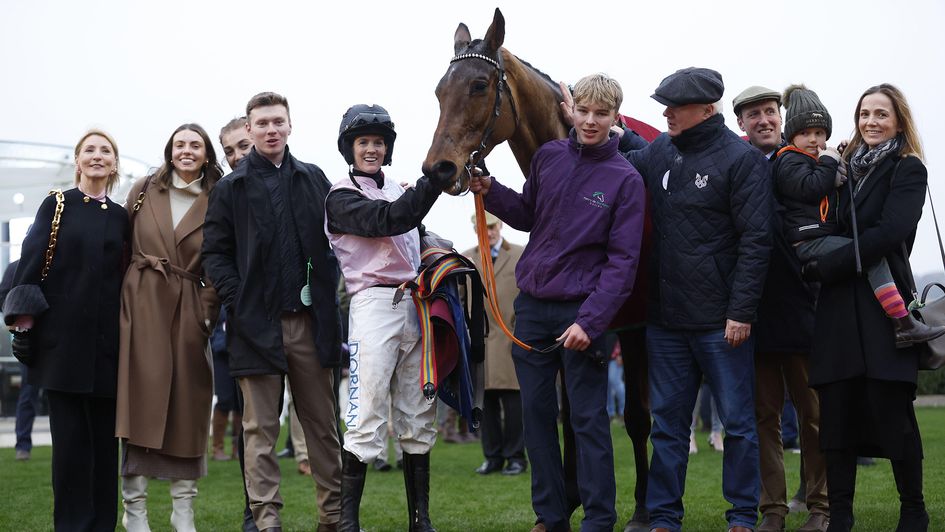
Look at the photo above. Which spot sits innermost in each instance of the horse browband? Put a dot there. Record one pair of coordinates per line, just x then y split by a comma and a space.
501, 86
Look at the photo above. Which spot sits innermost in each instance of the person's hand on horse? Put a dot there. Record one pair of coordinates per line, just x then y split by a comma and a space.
478, 183
736, 332
575, 338
567, 104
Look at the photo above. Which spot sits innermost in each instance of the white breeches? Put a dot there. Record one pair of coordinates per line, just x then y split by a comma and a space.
384, 378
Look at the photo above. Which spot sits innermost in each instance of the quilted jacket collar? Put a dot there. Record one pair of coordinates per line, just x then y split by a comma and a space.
700, 136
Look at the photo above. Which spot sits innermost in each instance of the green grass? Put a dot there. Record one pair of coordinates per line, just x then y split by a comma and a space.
462, 500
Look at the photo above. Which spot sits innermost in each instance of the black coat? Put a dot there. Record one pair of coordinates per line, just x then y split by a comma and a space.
786, 311
75, 340
804, 186
241, 258
7, 283
852, 335
711, 226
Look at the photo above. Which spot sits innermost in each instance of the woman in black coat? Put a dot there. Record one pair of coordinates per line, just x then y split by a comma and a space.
866, 384
65, 315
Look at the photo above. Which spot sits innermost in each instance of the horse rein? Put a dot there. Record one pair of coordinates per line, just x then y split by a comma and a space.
488, 280
475, 157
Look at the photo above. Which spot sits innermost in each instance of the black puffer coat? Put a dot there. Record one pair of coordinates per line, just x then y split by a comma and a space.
807, 189
711, 199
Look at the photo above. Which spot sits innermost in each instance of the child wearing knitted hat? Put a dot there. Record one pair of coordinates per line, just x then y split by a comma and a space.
807, 177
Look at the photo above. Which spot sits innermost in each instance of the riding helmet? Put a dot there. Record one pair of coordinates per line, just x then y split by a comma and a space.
361, 120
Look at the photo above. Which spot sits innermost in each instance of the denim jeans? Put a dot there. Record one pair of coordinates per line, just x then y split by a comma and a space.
677, 362
616, 390
26, 406
538, 323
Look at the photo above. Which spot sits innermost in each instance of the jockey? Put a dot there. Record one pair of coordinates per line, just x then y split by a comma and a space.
373, 225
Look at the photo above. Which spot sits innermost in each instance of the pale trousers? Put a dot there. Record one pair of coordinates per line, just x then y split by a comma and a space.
297, 433
315, 404
384, 377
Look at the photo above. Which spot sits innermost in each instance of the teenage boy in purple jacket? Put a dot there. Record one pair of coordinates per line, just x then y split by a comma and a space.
583, 205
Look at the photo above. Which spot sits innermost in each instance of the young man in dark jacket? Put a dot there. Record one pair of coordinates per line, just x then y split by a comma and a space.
267, 256
711, 201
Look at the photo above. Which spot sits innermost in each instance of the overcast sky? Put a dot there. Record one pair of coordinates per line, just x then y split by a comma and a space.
140, 69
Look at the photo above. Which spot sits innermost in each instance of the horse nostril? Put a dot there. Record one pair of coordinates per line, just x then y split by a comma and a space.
443, 170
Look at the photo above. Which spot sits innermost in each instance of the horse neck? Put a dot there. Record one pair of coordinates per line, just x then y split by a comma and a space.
537, 106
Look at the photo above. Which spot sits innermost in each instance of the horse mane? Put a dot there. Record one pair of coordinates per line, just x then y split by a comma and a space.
476, 46
546, 77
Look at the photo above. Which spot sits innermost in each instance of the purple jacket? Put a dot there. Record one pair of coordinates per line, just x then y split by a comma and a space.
584, 208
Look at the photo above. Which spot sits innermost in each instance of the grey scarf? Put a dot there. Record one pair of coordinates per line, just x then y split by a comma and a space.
866, 159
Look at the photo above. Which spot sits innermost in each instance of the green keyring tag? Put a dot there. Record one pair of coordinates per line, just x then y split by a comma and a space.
306, 293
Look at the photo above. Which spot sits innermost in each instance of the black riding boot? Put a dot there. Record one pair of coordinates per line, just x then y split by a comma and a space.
912, 514
417, 482
353, 472
841, 485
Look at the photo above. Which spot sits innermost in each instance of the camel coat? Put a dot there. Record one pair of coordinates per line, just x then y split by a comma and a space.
499, 369
165, 373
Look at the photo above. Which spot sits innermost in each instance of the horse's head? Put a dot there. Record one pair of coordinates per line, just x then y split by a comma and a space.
475, 115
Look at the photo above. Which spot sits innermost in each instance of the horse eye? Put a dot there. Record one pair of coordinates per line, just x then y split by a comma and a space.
478, 86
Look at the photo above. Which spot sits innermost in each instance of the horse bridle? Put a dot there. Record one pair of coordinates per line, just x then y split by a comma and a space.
501, 86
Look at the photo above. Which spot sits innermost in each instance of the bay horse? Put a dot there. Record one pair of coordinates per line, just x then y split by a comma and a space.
488, 96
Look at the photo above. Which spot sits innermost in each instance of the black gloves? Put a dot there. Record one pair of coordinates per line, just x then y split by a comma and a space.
22, 347
810, 272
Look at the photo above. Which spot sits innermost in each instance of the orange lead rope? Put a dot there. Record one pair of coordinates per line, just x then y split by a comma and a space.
488, 276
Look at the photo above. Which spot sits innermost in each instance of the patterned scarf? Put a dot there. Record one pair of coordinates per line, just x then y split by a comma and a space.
866, 159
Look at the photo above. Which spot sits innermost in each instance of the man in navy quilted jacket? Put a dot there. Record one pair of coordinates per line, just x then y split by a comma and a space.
711, 200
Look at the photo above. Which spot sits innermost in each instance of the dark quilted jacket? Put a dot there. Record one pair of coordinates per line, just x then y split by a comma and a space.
711, 226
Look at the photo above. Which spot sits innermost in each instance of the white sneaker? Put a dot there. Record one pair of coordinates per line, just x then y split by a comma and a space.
716, 441
693, 448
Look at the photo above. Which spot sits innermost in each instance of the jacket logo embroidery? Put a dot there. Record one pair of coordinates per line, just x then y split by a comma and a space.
701, 180
597, 200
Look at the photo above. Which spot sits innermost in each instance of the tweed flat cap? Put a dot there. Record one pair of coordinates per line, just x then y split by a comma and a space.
690, 85
755, 93
491, 219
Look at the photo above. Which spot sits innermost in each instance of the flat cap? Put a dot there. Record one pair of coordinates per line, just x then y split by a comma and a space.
491, 219
755, 93
690, 85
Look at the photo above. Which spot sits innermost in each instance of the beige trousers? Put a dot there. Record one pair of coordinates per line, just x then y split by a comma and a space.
315, 404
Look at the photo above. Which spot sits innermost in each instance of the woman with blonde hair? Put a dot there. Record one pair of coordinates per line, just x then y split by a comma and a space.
63, 309
866, 384
165, 376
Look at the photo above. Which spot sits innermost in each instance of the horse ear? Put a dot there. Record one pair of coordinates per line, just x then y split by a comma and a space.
461, 38
495, 36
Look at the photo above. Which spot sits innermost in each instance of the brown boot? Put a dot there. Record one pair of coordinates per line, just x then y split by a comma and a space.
219, 431
236, 429
912, 331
